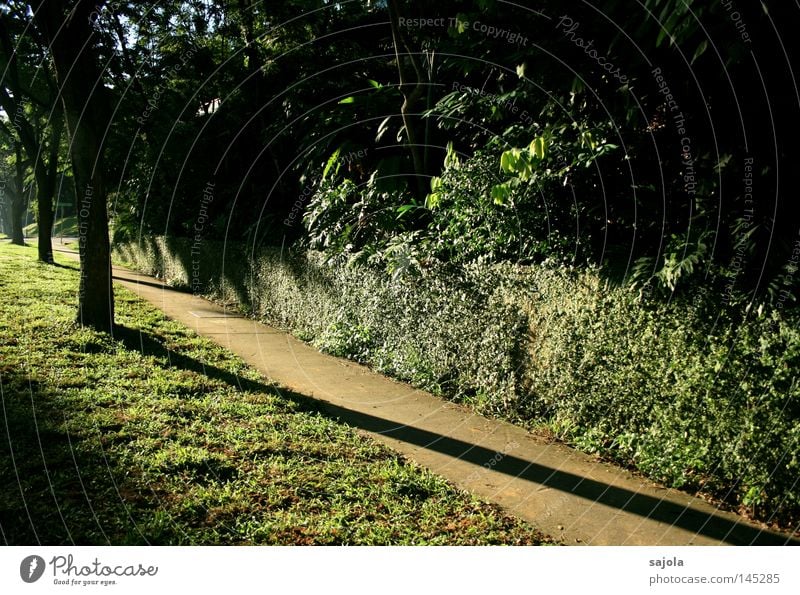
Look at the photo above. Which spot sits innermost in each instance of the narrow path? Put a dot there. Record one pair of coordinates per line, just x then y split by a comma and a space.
565, 493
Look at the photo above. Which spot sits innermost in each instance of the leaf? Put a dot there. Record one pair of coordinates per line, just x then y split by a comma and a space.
521, 70
333, 160
699, 51
403, 209
451, 157
432, 200
350, 99
537, 147
384, 126
375, 84
500, 194
587, 140
661, 35
722, 162
508, 162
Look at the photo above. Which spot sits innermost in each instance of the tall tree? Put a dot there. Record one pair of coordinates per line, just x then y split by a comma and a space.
14, 193
66, 27
28, 95
18, 202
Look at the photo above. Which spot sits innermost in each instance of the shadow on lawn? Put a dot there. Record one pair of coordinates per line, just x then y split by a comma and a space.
57, 488
61, 489
68, 488
148, 344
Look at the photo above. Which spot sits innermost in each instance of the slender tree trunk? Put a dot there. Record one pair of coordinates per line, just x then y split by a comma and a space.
412, 88
17, 212
44, 220
82, 93
5, 211
248, 37
18, 200
5, 215
45, 190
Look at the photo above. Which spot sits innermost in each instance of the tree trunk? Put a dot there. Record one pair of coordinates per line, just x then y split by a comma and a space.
17, 212
44, 219
45, 191
412, 88
18, 200
95, 294
82, 93
5, 211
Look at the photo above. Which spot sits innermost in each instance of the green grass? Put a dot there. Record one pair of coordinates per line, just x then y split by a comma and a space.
159, 436
68, 226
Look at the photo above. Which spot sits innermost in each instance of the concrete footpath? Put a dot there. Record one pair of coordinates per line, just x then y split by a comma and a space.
564, 493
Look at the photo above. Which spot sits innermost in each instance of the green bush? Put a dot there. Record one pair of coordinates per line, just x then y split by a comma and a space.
692, 394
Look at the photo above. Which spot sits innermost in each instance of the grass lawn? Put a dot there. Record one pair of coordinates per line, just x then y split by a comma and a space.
159, 436
68, 226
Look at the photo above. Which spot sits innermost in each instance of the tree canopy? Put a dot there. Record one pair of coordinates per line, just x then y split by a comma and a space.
649, 139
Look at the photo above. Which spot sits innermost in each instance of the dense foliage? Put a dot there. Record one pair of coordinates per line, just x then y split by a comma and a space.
642, 139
